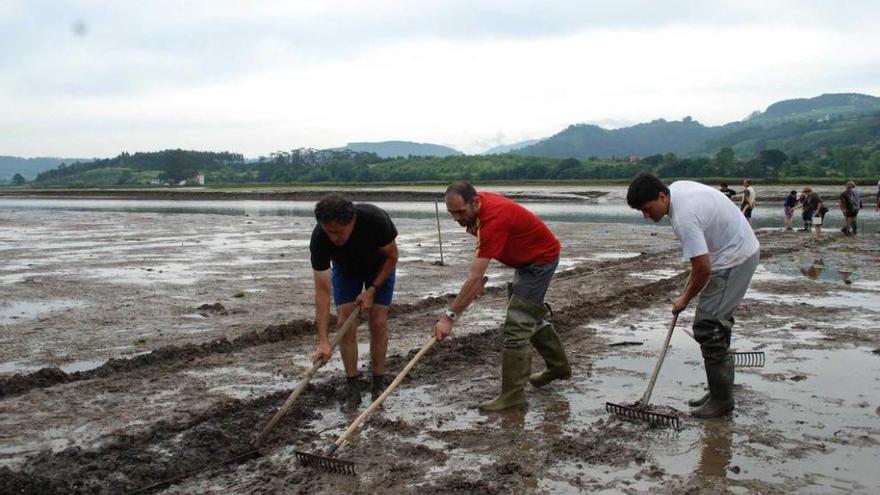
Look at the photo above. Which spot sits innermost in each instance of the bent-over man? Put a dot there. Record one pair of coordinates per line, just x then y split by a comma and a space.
724, 252
354, 254
513, 235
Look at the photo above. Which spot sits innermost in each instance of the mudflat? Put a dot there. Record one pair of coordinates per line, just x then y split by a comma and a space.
143, 352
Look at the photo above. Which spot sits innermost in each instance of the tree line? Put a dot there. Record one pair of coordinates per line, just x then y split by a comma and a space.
314, 166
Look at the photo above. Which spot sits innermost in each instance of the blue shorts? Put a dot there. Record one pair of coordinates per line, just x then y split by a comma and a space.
346, 287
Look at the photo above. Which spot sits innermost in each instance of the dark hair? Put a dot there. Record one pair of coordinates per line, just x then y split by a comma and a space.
644, 188
334, 208
793, 192
724, 184
464, 189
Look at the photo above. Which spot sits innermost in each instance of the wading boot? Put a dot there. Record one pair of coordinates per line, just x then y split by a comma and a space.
352, 393
515, 366
546, 341
720, 378
378, 386
699, 402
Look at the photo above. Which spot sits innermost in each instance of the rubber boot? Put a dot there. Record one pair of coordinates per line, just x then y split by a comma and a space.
720, 377
515, 366
699, 402
546, 341
378, 386
352, 392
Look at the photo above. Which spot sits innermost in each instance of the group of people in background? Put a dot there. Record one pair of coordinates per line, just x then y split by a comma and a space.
813, 207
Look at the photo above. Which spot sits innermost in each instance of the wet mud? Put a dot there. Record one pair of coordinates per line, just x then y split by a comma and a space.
181, 417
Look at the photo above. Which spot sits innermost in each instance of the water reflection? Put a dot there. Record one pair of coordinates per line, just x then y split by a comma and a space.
814, 270
716, 451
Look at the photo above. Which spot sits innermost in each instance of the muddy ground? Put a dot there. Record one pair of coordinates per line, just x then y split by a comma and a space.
142, 352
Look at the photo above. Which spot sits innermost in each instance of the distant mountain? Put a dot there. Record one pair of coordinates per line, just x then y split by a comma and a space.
392, 149
30, 167
659, 136
798, 124
507, 148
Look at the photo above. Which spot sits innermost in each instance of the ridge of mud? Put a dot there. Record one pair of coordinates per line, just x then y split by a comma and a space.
48, 377
167, 451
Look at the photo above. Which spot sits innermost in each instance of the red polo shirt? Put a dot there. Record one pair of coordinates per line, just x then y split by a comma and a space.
512, 234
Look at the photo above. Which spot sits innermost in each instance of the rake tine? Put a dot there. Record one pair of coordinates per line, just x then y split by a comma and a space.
654, 418
325, 463
749, 359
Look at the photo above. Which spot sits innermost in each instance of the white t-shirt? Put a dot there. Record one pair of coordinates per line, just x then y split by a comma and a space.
749, 196
705, 221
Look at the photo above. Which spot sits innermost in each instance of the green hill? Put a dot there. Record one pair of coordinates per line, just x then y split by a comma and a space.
393, 149
797, 124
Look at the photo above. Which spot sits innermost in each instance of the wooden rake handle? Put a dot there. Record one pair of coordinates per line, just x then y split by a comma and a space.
282, 411
645, 398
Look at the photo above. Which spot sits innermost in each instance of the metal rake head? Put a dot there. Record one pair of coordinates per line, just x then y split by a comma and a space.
326, 463
751, 358
655, 418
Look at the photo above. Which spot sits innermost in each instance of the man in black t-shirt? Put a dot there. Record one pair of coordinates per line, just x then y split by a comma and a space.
354, 253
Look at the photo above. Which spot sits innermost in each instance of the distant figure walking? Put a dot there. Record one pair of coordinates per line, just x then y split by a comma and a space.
788, 207
848, 208
748, 200
816, 207
857, 204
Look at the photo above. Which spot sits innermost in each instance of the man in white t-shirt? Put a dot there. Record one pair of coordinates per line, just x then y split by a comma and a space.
724, 252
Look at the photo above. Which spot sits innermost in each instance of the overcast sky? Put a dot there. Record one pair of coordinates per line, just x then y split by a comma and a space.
94, 78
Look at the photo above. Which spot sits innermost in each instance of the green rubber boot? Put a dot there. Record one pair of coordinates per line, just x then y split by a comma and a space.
720, 377
515, 366
546, 341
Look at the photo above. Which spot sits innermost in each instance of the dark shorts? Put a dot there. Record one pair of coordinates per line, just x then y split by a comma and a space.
748, 212
346, 287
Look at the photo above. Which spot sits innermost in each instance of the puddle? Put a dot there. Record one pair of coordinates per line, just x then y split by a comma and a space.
241, 383
12, 311
13, 367
865, 301
85, 365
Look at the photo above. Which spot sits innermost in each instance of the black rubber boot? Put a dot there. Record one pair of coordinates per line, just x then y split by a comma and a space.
720, 377
352, 392
546, 341
699, 402
378, 386
515, 366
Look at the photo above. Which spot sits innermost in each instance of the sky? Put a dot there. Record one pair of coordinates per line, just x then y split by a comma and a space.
96, 78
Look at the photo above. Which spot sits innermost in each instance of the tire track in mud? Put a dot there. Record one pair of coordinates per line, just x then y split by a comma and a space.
176, 450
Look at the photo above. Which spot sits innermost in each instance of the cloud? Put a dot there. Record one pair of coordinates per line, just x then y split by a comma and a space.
278, 75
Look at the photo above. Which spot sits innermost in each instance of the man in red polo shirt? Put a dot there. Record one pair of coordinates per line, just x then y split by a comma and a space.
514, 236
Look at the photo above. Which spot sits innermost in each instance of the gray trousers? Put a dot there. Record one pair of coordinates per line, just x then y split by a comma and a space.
525, 311
531, 282
713, 321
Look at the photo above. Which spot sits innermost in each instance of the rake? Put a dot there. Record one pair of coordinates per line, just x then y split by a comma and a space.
744, 359
639, 410
348, 325
326, 461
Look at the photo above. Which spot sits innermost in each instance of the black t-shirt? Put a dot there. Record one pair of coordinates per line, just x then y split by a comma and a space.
360, 255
